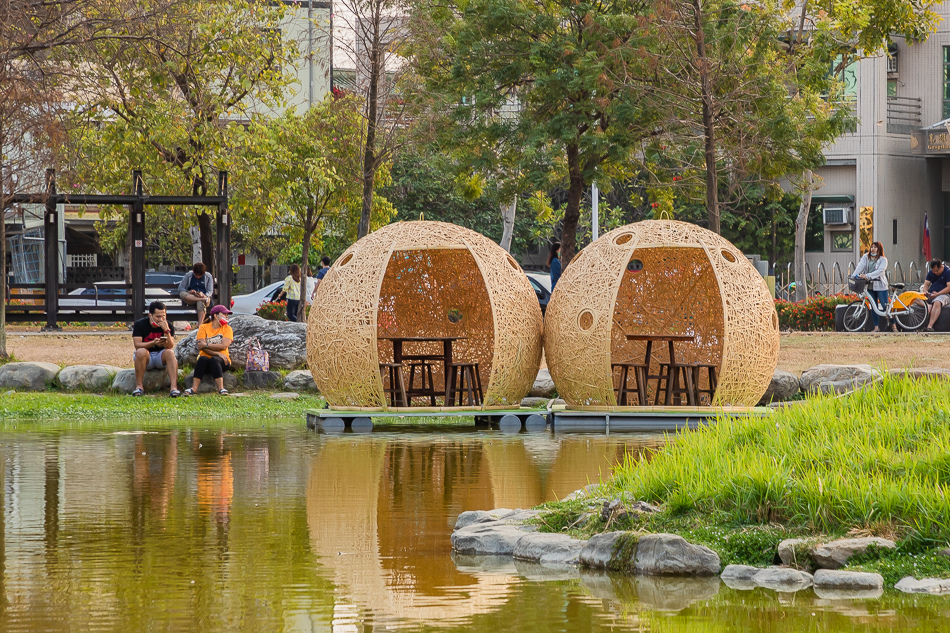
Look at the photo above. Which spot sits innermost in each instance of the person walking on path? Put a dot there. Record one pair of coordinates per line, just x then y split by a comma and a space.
154, 340
196, 288
554, 263
291, 291
937, 289
213, 339
873, 267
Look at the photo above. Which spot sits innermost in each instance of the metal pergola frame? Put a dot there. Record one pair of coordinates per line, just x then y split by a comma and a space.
136, 202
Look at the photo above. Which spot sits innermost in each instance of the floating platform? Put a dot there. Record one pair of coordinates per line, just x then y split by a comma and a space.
557, 419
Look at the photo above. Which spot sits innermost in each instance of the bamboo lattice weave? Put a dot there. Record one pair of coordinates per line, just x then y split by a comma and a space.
661, 278
423, 279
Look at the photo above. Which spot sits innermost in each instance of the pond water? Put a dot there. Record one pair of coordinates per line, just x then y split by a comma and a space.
251, 526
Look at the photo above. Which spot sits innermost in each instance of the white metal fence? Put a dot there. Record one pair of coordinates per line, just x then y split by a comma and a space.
824, 280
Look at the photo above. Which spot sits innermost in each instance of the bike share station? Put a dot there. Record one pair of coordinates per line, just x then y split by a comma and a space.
424, 323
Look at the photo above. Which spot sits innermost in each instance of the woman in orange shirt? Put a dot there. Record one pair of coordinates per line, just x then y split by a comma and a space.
213, 339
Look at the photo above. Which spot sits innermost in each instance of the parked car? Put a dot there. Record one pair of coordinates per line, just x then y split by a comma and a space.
112, 295
163, 279
248, 304
541, 282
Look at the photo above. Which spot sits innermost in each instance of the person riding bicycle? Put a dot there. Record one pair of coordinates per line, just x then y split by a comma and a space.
873, 267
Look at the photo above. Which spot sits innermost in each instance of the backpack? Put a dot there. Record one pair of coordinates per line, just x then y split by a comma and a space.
257, 358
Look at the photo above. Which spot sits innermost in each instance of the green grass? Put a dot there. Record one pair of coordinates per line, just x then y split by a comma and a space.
873, 463
50, 405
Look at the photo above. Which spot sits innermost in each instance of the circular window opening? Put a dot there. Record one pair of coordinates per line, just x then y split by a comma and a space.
586, 320
774, 321
346, 259
634, 266
454, 315
514, 264
729, 257
622, 239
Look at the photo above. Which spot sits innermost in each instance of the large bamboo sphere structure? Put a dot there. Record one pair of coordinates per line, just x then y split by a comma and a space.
660, 277
423, 279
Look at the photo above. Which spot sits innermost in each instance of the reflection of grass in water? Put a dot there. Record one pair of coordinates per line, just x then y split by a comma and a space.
45, 406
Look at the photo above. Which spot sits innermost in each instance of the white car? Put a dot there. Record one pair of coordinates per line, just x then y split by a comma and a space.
112, 295
248, 304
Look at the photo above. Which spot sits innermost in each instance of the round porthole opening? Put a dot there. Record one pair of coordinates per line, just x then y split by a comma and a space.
774, 321
346, 259
586, 320
729, 257
622, 239
513, 263
634, 266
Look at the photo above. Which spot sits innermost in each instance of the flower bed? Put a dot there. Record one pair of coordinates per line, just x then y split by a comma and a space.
816, 314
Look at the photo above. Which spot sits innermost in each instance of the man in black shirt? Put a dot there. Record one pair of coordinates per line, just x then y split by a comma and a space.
937, 289
154, 340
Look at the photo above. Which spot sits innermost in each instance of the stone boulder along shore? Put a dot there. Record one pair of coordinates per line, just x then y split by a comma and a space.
284, 341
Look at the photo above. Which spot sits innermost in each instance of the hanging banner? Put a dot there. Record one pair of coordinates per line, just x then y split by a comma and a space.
866, 228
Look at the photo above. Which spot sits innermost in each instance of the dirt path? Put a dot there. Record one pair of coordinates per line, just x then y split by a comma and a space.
798, 351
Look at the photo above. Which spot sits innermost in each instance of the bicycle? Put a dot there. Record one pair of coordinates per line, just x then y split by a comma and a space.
909, 309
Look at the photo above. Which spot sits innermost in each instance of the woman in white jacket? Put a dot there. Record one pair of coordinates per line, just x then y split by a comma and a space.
873, 267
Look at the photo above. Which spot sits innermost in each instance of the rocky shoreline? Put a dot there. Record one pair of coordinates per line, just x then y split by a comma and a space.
513, 535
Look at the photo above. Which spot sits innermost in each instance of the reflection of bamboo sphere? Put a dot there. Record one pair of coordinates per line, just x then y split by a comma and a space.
423, 279
660, 277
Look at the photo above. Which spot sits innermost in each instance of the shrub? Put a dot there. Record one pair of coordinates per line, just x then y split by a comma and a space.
273, 310
816, 314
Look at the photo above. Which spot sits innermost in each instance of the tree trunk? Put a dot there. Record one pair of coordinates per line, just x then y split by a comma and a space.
801, 223
3, 279
206, 230
572, 212
369, 148
305, 267
709, 128
508, 222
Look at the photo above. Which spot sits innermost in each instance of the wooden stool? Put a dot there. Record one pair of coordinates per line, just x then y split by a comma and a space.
425, 369
640, 380
713, 381
676, 379
458, 385
396, 385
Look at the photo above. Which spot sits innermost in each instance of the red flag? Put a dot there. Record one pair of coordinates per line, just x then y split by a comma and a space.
927, 253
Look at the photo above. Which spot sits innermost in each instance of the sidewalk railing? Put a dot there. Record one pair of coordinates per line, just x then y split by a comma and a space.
825, 281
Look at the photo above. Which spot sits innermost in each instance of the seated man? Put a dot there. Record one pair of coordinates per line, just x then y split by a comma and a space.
154, 340
937, 289
196, 288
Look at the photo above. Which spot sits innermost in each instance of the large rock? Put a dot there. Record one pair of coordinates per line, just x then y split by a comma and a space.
543, 386
783, 387
919, 373
739, 576
153, 380
933, 586
835, 554
27, 376
87, 377
837, 378
487, 538
207, 383
262, 379
284, 341
836, 579
299, 380
795, 552
672, 555
548, 549
600, 550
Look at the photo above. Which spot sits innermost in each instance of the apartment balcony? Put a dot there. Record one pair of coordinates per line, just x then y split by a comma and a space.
903, 115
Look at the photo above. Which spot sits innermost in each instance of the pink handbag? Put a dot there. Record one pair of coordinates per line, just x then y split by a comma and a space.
257, 358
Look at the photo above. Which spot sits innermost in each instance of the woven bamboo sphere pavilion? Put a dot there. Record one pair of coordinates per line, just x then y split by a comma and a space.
418, 279
660, 277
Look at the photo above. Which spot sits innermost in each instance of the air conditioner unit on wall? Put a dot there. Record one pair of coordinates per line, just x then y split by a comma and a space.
836, 215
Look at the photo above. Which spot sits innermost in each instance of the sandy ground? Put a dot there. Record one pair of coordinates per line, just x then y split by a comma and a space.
798, 351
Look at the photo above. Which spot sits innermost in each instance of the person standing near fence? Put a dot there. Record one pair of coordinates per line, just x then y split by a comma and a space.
873, 267
291, 291
554, 263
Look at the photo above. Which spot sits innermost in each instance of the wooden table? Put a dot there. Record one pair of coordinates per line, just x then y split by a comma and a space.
446, 356
648, 357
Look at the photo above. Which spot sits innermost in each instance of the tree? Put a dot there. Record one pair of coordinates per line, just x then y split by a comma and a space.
372, 36
302, 174
559, 61
159, 96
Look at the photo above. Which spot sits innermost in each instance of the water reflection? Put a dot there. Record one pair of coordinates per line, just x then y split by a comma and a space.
278, 529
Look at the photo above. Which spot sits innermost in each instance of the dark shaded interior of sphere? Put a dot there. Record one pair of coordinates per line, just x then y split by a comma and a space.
668, 291
436, 293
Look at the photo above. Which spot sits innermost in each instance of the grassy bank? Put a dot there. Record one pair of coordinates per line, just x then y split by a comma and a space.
50, 405
873, 463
